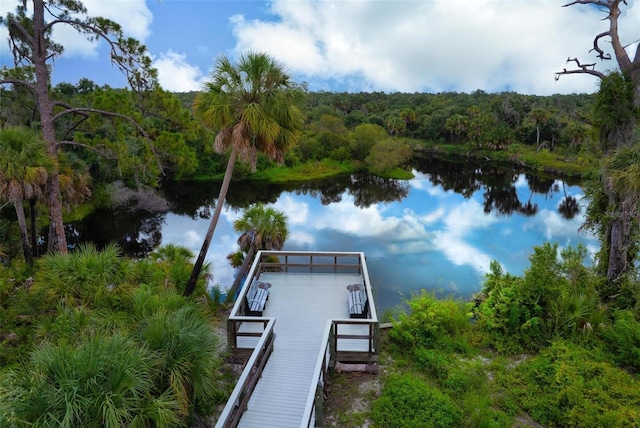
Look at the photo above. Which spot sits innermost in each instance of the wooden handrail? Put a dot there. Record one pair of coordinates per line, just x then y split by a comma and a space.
239, 398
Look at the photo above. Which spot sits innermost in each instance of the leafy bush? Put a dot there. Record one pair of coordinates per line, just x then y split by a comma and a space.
433, 362
432, 323
567, 385
186, 348
555, 296
114, 353
623, 339
408, 402
84, 276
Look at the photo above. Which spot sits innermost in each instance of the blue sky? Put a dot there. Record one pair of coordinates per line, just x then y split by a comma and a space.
356, 45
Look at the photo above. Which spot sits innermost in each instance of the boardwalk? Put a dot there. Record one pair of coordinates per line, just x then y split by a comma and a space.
304, 306
301, 304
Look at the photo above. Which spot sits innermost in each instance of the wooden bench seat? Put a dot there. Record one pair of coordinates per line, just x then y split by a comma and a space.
256, 298
358, 303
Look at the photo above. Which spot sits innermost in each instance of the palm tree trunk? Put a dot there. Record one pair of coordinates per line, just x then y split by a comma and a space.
241, 273
197, 267
32, 219
24, 237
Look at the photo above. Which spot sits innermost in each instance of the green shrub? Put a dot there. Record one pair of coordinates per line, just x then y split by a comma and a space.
567, 385
433, 362
433, 323
465, 377
408, 401
84, 276
623, 339
555, 296
186, 348
479, 412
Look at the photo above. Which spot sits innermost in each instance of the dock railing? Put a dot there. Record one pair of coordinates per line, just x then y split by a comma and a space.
239, 398
336, 335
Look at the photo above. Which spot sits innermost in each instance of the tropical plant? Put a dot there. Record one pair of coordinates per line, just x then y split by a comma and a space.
175, 262
85, 276
253, 106
23, 174
101, 381
186, 350
262, 228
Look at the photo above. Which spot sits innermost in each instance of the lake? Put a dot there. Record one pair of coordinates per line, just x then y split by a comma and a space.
438, 231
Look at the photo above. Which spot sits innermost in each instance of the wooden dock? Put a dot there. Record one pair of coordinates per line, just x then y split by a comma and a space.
304, 329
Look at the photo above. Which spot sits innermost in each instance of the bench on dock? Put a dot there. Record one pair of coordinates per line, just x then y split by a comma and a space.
358, 303
256, 298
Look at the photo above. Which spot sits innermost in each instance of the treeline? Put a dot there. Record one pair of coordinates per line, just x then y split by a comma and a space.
478, 120
343, 127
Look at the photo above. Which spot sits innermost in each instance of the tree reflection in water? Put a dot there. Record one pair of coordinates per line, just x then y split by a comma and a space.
139, 233
136, 234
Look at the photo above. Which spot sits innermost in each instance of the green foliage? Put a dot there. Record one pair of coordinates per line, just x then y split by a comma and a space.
113, 352
433, 362
623, 339
567, 385
102, 381
408, 401
556, 296
614, 108
84, 276
186, 350
364, 137
432, 323
388, 154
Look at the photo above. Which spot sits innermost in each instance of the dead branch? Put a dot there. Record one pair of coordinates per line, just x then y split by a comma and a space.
582, 69
597, 48
612, 7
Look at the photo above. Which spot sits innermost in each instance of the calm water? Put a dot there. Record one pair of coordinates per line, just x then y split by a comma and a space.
438, 231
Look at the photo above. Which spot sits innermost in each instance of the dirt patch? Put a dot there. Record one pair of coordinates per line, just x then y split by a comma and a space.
349, 398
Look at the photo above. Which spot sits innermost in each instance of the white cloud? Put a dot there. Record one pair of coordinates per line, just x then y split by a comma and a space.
176, 74
460, 222
297, 212
134, 18
438, 45
553, 225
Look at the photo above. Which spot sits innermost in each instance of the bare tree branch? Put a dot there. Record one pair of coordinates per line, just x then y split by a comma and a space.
596, 48
83, 117
622, 58
582, 69
18, 82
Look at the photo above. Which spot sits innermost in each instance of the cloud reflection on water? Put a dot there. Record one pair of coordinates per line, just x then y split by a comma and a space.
431, 239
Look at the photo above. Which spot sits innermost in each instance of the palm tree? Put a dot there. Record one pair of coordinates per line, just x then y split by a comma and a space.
23, 174
263, 228
623, 176
253, 106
